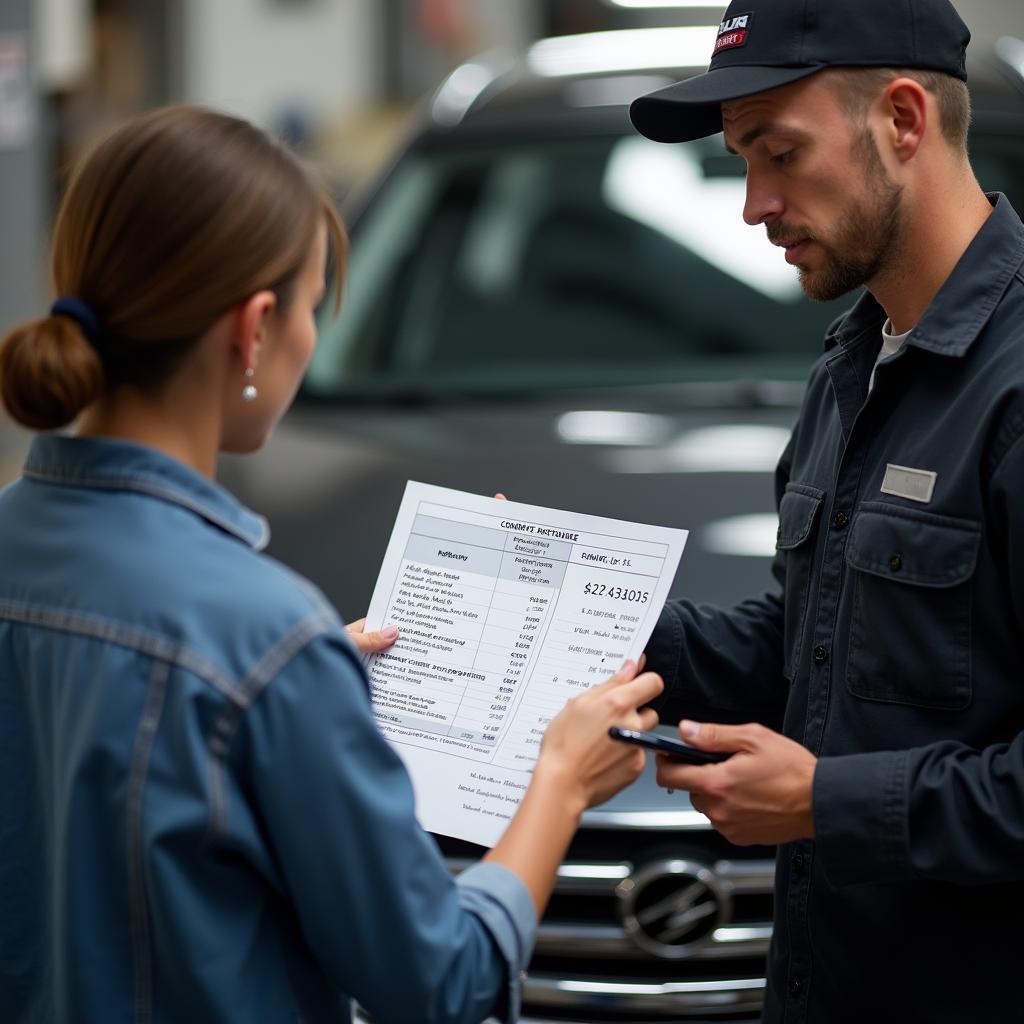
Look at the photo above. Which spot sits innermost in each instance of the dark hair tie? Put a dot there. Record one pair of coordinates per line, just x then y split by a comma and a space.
80, 313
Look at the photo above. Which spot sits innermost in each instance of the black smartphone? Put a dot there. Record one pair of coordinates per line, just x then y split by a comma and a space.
676, 749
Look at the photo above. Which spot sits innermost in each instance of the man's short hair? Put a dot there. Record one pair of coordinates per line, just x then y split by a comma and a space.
858, 88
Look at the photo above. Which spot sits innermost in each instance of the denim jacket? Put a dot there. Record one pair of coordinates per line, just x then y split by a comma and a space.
198, 817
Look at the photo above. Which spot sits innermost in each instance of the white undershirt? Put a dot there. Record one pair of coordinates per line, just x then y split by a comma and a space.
891, 344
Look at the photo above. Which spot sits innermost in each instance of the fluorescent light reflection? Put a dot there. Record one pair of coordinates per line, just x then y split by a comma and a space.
460, 90
613, 428
664, 187
589, 872
1011, 52
745, 536
627, 50
742, 934
612, 92
621, 988
752, 448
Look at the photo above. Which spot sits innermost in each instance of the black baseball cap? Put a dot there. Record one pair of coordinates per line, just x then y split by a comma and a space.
763, 44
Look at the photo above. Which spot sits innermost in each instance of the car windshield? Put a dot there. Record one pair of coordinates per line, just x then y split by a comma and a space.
590, 261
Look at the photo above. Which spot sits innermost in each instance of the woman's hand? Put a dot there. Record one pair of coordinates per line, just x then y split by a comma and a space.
579, 766
578, 754
372, 642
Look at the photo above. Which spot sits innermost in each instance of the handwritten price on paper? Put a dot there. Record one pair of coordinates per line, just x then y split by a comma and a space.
617, 593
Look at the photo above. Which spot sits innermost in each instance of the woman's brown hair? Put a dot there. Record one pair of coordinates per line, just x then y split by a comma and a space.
167, 224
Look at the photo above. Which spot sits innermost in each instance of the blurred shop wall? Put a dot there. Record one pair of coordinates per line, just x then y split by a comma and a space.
333, 77
22, 202
275, 60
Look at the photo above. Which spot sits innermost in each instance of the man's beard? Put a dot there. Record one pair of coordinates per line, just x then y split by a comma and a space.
868, 234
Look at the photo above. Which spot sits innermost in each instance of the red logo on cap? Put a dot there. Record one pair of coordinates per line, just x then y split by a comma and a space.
732, 32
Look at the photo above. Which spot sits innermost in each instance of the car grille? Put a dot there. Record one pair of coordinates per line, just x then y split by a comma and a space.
654, 918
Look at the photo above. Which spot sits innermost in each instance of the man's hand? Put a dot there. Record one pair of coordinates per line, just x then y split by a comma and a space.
371, 643
762, 794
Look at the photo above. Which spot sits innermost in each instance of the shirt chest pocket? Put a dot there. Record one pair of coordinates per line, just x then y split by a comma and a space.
910, 633
798, 516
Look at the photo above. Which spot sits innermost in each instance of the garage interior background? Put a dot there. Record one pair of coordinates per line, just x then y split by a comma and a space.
336, 78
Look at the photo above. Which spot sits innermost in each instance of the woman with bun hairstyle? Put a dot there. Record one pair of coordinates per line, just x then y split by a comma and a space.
199, 820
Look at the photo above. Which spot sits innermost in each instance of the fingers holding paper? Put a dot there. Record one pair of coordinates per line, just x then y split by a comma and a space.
762, 794
576, 744
373, 641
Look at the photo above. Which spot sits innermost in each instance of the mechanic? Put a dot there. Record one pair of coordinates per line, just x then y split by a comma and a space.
885, 673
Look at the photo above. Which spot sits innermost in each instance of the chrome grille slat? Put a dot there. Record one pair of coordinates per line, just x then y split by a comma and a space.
743, 877
709, 997
596, 879
647, 821
611, 942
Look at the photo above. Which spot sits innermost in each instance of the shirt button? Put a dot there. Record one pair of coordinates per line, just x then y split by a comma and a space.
896, 563
798, 861
820, 655
795, 986
842, 520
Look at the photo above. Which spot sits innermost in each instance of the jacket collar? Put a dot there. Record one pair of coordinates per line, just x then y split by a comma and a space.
106, 464
960, 311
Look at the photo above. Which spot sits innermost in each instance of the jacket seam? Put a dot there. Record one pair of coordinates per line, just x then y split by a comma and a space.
1012, 435
676, 657
122, 483
264, 672
132, 637
873, 506
142, 952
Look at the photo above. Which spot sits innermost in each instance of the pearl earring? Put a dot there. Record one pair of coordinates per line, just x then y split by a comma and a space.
249, 392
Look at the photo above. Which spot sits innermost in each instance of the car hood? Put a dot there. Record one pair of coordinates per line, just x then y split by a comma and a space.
331, 479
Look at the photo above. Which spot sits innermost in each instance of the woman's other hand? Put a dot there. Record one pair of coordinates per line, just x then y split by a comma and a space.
372, 642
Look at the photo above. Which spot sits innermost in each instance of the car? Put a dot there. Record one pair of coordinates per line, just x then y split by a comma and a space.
541, 302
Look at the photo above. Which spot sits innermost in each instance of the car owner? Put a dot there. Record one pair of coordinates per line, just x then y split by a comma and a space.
199, 820
890, 659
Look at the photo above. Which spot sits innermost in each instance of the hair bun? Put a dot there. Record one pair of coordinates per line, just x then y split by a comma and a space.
49, 373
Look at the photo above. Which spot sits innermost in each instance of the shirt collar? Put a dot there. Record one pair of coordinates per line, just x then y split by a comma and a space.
106, 464
960, 311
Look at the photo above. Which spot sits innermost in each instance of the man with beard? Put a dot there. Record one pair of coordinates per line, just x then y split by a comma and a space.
884, 675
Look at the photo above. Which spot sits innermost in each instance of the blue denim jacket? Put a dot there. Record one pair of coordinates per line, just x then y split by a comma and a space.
198, 817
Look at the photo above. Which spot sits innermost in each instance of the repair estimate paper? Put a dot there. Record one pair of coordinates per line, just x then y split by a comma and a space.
506, 611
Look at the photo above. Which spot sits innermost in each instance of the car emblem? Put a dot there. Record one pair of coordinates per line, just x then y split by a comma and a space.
670, 908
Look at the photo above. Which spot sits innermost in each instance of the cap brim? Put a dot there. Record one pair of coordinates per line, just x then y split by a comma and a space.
693, 109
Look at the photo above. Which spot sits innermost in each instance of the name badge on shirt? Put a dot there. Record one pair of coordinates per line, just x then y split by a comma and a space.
913, 484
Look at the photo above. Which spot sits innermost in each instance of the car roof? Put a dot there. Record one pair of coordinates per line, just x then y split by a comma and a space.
584, 83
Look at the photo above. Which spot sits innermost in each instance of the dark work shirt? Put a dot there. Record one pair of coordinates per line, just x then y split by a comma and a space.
892, 651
